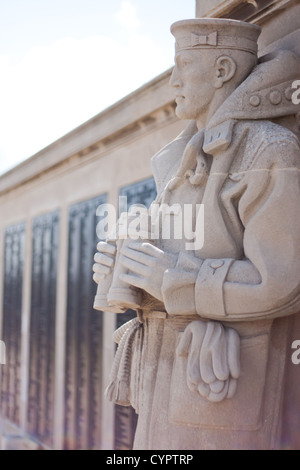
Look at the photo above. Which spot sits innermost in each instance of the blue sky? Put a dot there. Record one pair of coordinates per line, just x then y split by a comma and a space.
64, 61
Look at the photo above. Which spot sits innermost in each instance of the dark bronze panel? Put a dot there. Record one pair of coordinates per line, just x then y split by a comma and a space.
45, 239
83, 387
143, 192
12, 317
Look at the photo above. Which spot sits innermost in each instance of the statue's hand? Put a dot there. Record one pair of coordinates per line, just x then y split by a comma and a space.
213, 365
104, 261
146, 266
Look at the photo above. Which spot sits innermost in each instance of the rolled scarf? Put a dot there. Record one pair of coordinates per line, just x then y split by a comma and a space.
118, 390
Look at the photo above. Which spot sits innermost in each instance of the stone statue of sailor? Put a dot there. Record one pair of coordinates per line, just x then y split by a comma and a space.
204, 362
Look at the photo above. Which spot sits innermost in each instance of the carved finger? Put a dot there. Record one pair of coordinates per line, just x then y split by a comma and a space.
137, 256
198, 330
219, 352
217, 397
203, 389
133, 280
193, 371
233, 384
206, 364
146, 248
104, 259
233, 352
101, 269
217, 386
134, 266
97, 278
104, 247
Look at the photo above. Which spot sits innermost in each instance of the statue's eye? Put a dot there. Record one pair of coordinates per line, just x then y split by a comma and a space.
186, 63
183, 61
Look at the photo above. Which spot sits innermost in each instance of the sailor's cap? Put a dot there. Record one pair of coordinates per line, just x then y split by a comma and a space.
208, 33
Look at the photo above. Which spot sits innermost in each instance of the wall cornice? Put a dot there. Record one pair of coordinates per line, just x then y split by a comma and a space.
254, 11
141, 110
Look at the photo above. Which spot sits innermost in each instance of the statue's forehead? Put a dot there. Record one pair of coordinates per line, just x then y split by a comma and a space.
193, 55
186, 54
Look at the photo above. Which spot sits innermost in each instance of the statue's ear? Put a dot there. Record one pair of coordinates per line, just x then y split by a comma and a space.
225, 70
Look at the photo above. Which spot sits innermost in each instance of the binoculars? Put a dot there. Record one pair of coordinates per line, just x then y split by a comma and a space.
114, 295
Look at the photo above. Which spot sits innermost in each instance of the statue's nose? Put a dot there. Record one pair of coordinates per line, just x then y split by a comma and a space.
175, 80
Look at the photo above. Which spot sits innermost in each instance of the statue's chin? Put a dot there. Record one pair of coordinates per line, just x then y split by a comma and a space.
181, 113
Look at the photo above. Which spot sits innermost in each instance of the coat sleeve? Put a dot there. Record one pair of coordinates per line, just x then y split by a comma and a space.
266, 282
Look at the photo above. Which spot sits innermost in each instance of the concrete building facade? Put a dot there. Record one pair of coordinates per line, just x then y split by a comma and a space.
59, 350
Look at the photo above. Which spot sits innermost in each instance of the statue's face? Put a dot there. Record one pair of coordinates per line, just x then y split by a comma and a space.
193, 81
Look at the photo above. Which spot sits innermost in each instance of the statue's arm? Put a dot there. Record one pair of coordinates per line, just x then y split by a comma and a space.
266, 283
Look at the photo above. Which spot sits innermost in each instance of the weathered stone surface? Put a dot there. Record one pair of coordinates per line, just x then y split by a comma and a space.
203, 6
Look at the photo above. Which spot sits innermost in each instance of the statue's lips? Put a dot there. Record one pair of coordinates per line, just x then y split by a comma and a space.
179, 98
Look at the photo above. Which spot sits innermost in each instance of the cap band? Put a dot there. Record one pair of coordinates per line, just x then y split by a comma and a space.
215, 40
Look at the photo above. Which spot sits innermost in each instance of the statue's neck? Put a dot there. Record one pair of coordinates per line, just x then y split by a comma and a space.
219, 98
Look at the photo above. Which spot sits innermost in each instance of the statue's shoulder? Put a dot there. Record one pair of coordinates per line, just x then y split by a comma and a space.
266, 144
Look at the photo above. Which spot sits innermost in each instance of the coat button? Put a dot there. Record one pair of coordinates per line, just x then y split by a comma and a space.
289, 93
275, 97
255, 100
217, 264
